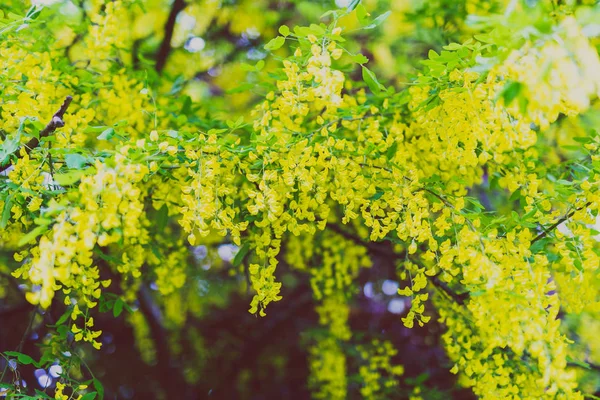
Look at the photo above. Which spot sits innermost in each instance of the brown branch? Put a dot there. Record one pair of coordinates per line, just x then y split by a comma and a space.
459, 298
564, 218
55, 123
587, 365
371, 247
165, 47
173, 380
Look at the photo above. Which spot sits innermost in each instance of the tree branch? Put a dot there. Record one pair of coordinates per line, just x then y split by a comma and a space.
56, 122
459, 298
165, 47
587, 365
173, 381
562, 219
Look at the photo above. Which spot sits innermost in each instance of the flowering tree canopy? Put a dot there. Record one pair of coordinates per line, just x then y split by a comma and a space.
160, 158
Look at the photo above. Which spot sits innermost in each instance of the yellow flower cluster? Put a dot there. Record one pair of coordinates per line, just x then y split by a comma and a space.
108, 210
378, 374
105, 34
561, 76
328, 370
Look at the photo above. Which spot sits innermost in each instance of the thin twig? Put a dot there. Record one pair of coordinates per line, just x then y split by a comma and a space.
56, 122
459, 298
27, 330
587, 365
562, 219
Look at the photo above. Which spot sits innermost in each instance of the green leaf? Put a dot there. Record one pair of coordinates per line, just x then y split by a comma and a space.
75, 161
178, 84
453, 46
32, 235
68, 178
118, 308
107, 134
241, 88
360, 59
6, 211
98, 386
23, 358
34, 12
362, 14
275, 43
391, 151
510, 91
94, 129
63, 318
239, 257
284, 30
89, 396
8, 147
433, 55
121, 123
577, 263
377, 195
316, 29
378, 21
476, 203
371, 80
352, 5
162, 217
186, 107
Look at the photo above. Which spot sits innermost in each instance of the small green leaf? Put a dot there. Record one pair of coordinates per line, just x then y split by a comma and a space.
94, 129
275, 43
453, 46
510, 91
121, 123
360, 59
284, 30
118, 308
352, 5
98, 386
23, 358
89, 396
371, 80
75, 161
378, 21
377, 195
162, 217
239, 257
362, 14
6, 211
34, 12
68, 178
8, 147
32, 235
63, 318
107, 134
476, 203
433, 55
391, 151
